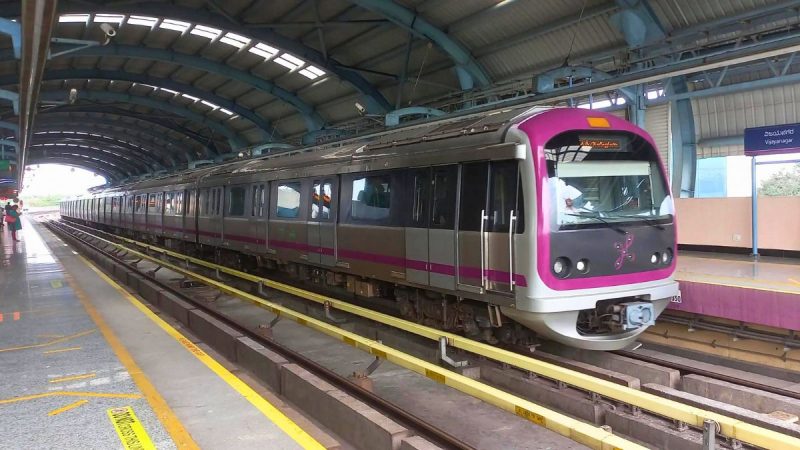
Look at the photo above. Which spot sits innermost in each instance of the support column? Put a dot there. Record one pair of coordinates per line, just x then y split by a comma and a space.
637, 106
684, 145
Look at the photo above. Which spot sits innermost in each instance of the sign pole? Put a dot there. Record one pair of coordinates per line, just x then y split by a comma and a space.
754, 186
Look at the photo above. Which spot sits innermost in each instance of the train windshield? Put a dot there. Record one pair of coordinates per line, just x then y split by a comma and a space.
600, 179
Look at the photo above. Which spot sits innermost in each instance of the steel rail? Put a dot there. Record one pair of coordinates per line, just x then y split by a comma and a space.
691, 415
581, 432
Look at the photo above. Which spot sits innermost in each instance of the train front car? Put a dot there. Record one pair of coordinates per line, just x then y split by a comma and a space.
603, 254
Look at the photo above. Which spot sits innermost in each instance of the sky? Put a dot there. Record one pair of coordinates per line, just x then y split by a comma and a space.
52, 179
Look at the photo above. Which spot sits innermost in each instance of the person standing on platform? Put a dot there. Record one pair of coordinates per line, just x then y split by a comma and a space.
14, 222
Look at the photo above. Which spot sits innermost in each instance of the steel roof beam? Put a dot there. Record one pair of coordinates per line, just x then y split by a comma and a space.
205, 17
115, 157
147, 155
167, 83
232, 136
38, 21
108, 172
313, 120
178, 149
151, 124
155, 144
469, 70
82, 154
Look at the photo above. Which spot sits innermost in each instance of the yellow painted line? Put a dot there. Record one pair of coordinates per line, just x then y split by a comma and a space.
49, 343
174, 427
691, 415
67, 394
61, 350
130, 431
574, 429
72, 378
66, 408
265, 407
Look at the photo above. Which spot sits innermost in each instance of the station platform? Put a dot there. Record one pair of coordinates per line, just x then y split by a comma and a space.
85, 365
738, 287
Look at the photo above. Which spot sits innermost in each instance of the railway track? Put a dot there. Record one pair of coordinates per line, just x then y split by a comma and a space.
730, 428
592, 436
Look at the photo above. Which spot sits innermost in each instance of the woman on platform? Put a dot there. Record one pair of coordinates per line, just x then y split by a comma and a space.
14, 222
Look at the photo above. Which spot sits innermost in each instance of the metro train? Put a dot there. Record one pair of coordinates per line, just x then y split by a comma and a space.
505, 226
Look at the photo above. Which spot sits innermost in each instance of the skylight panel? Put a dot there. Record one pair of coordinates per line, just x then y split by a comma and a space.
209, 104
192, 98
169, 90
225, 111
289, 61
142, 20
202, 30
176, 25
312, 72
264, 50
73, 18
235, 40
109, 18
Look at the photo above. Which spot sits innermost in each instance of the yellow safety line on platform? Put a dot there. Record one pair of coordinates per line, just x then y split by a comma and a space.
67, 394
581, 432
166, 416
48, 343
131, 433
66, 408
61, 350
691, 415
72, 378
286, 424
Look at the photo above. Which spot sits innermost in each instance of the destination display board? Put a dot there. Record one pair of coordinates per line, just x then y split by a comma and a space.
772, 140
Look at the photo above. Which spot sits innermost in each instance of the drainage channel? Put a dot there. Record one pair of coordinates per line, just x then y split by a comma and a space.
733, 429
583, 433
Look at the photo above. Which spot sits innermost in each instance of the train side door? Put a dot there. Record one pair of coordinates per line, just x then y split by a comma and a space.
487, 224
502, 218
472, 227
258, 214
441, 233
322, 222
417, 264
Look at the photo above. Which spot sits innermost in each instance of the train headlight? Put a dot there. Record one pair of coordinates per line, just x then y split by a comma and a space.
655, 258
561, 267
582, 265
666, 257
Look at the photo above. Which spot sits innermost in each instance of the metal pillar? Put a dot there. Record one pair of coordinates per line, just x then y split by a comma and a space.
684, 147
754, 189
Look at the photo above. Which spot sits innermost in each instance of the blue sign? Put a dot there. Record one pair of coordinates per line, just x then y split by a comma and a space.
772, 140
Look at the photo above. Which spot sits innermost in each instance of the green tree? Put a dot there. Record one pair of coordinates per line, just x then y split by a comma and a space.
783, 183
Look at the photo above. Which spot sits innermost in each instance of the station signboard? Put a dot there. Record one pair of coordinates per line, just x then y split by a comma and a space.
772, 140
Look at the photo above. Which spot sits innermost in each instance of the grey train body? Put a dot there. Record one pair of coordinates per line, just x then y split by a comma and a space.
439, 217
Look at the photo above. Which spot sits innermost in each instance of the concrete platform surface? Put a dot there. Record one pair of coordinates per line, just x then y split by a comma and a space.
79, 360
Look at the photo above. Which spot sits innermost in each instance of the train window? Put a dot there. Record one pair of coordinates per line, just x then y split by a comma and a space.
178, 203
502, 195
236, 200
218, 197
151, 201
419, 199
288, 205
169, 203
261, 200
443, 207
254, 200
473, 196
327, 196
371, 198
315, 194
321, 200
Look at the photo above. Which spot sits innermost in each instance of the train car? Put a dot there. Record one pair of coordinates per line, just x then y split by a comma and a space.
559, 220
